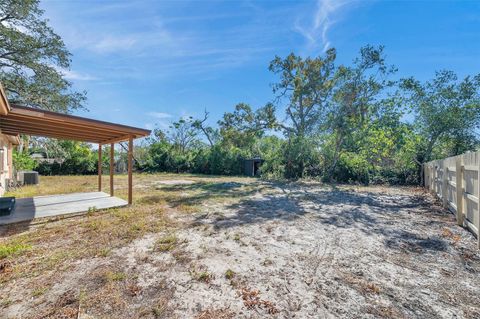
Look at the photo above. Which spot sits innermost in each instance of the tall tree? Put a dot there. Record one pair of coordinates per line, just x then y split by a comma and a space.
307, 85
358, 102
444, 109
183, 134
32, 57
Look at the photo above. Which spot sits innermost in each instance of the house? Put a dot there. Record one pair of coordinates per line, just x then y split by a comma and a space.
7, 142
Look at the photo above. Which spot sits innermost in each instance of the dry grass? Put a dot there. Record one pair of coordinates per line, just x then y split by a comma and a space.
171, 254
33, 258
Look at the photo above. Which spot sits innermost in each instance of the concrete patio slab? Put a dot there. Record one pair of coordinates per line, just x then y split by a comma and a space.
55, 205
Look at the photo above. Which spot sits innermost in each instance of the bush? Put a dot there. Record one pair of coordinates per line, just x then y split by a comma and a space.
352, 167
22, 161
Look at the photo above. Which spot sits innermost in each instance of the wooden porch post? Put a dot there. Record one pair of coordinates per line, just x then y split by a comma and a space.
130, 168
112, 166
99, 167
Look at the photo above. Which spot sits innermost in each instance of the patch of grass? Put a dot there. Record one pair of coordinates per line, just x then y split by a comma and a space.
229, 274
6, 302
13, 249
236, 237
204, 276
166, 243
115, 276
39, 291
181, 256
188, 208
201, 275
160, 308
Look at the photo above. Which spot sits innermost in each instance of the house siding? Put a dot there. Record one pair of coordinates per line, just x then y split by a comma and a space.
6, 162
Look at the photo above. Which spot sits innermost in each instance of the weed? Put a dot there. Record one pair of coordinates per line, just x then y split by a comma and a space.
181, 256
251, 300
166, 243
160, 308
12, 249
104, 252
202, 276
115, 276
5, 302
229, 274
372, 288
39, 291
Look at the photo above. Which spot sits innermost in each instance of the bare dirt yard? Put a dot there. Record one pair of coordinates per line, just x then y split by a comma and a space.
214, 247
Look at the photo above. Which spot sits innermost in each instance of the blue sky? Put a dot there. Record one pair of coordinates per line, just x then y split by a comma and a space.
147, 63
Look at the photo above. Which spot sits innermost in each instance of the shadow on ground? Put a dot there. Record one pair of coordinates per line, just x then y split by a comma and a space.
397, 218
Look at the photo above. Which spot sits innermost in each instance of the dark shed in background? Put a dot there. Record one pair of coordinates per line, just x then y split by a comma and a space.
252, 166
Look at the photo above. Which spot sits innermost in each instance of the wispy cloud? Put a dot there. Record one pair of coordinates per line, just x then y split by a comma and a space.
163, 40
160, 115
73, 75
326, 15
113, 43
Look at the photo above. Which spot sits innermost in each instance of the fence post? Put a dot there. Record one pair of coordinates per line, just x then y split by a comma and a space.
432, 179
425, 171
459, 188
445, 184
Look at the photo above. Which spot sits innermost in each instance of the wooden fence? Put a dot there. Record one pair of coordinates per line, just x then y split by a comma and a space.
456, 181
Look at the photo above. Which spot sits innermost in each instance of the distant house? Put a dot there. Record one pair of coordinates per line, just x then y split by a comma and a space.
41, 157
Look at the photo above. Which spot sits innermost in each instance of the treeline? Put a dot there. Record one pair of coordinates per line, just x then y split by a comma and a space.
343, 123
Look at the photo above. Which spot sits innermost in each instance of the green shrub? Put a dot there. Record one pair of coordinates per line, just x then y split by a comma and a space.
352, 167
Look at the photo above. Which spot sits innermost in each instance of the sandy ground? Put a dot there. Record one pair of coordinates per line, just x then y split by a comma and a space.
297, 251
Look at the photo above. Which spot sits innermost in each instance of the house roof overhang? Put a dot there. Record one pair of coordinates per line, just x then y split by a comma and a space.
19, 119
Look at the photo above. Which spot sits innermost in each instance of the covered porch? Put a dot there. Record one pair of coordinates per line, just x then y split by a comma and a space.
18, 119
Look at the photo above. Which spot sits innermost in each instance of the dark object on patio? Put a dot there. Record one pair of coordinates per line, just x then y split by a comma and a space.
7, 204
252, 166
27, 177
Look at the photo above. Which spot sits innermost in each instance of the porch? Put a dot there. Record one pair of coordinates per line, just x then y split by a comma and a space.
19, 119
27, 209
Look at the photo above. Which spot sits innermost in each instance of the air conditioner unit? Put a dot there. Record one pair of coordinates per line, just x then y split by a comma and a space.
27, 177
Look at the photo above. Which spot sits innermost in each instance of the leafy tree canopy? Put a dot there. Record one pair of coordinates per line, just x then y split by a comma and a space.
444, 108
32, 57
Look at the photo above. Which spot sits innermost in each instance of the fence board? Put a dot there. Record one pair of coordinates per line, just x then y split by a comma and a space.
456, 181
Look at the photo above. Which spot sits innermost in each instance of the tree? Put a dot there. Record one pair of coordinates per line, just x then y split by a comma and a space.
210, 133
357, 101
182, 134
243, 126
307, 85
445, 109
32, 57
